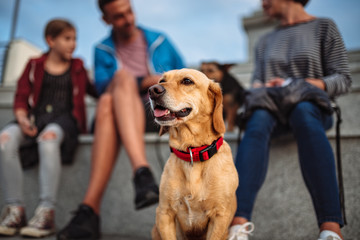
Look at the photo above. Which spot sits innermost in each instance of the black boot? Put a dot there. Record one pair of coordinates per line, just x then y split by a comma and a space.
146, 190
85, 224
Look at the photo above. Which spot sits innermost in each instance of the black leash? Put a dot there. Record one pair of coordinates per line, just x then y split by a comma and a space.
339, 164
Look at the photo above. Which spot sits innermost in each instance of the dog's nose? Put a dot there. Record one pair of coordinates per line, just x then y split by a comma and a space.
156, 91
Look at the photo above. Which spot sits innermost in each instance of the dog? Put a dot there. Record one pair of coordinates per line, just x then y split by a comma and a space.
197, 188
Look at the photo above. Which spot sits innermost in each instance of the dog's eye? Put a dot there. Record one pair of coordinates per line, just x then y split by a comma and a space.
187, 81
162, 81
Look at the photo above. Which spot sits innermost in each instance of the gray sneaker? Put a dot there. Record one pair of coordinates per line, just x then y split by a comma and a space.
12, 220
41, 225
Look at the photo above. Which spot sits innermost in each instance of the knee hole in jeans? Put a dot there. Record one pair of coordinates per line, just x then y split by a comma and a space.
4, 138
49, 135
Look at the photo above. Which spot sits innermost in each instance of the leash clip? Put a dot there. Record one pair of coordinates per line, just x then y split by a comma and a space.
191, 157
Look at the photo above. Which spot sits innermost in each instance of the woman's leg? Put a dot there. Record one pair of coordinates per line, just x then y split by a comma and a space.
49, 143
317, 161
10, 167
252, 161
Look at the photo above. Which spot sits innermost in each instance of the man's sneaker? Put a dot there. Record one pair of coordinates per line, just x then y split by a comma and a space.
41, 225
85, 224
241, 232
329, 235
146, 190
12, 220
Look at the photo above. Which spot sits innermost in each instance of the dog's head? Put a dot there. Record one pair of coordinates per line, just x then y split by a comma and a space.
187, 96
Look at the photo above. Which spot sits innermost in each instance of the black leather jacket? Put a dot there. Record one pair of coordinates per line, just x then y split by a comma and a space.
281, 100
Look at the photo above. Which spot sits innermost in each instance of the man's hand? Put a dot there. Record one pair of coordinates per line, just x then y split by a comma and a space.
150, 80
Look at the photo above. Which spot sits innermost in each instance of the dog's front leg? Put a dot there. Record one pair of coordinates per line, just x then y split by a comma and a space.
165, 222
218, 228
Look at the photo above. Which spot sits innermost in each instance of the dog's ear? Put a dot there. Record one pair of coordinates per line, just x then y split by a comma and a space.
163, 130
217, 117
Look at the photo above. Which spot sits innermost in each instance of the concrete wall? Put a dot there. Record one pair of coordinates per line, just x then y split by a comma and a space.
19, 53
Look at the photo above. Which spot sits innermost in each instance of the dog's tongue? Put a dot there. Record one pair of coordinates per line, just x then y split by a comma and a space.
160, 112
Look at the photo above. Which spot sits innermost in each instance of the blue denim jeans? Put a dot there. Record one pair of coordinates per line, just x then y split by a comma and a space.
308, 124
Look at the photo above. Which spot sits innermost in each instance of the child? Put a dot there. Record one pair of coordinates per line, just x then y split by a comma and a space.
49, 108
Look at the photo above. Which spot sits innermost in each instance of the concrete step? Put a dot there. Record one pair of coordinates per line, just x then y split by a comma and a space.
103, 237
283, 208
348, 104
7, 94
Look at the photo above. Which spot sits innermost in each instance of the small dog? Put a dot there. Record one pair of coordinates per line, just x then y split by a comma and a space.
198, 184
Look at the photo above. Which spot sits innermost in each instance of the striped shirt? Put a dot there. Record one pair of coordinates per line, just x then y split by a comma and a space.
312, 49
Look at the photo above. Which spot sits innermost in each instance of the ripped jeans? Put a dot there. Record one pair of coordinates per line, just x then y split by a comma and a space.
11, 172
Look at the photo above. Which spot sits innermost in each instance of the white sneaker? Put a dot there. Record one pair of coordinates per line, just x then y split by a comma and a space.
241, 232
41, 225
12, 220
329, 235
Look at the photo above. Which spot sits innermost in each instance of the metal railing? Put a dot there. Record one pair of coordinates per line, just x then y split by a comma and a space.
3, 53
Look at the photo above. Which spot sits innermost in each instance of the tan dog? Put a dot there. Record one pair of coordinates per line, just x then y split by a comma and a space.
197, 200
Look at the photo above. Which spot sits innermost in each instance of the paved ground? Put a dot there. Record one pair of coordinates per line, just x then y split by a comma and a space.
105, 237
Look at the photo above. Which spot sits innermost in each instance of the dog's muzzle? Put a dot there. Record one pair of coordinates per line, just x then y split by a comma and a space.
156, 91
161, 112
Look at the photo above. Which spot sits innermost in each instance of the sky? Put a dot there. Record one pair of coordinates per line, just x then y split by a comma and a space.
200, 29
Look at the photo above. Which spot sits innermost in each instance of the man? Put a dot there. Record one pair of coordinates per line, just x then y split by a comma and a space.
129, 61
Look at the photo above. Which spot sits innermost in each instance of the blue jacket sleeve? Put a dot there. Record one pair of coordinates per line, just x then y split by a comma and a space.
105, 67
177, 59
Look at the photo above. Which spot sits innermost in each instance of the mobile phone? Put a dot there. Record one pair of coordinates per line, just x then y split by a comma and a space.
32, 122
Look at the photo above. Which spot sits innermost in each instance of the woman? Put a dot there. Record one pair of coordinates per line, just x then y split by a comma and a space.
308, 48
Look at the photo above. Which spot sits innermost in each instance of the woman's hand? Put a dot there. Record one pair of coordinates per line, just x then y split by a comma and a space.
316, 82
275, 82
257, 85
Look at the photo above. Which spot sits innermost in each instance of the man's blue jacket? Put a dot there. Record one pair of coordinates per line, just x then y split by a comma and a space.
162, 57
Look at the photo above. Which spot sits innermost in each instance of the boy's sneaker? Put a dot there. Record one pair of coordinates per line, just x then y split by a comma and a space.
241, 231
146, 190
329, 235
41, 225
85, 224
12, 220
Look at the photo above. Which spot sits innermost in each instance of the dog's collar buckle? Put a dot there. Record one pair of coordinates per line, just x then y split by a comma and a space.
203, 153
191, 157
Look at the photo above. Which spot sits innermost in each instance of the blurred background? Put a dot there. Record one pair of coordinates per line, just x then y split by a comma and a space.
201, 29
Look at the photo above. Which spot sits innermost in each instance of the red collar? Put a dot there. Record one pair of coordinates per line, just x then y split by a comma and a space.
201, 154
